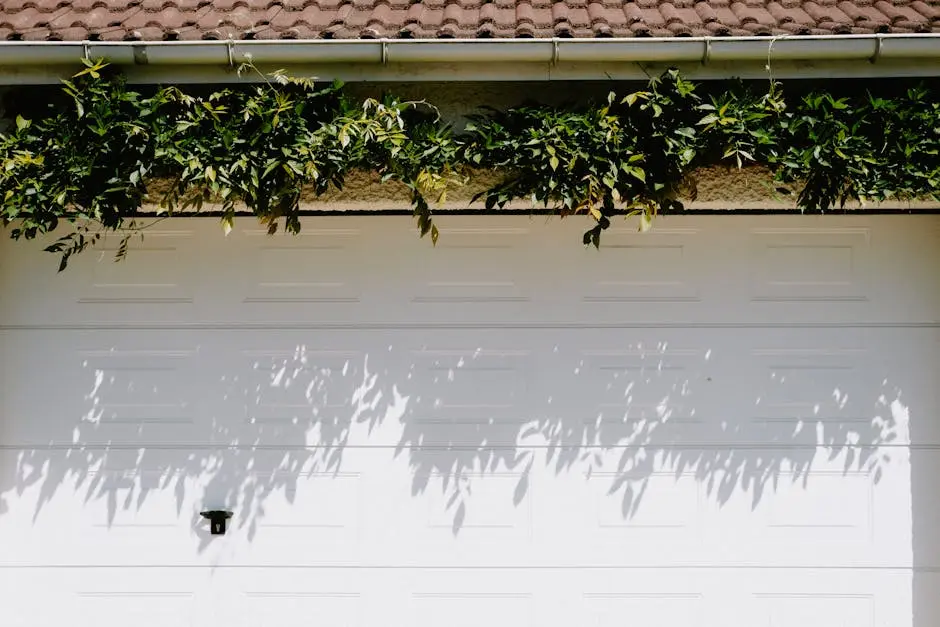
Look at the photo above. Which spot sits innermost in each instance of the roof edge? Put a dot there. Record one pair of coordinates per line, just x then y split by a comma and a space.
808, 56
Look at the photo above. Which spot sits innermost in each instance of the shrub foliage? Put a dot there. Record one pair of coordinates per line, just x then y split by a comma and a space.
86, 164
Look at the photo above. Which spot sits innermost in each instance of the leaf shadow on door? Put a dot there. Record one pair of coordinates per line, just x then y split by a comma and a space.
163, 435
480, 427
713, 422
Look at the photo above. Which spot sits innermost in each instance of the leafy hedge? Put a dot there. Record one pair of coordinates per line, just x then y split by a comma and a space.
90, 160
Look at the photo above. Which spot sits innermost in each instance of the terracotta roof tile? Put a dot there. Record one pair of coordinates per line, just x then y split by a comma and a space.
727, 17
930, 12
114, 20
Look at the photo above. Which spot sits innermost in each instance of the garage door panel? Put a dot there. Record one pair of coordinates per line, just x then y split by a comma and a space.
153, 278
95, 507
53, 414
136, 387
473, 596
291, 507
609, 521
313, 520
752, 596
676, 503
302, 596
309, 393
496, 504
821, 518
372, 596
611, 596
148, 504
816, 609
179, 388
659, 609
102, 597
636, 384
695, 596
827, 516
817, 597
725, 421
109, 598
908, 393
448, 518
351, 388
629, 387
102, 387
679, 596
468, 609
810, 264
777, 269
776, 506
481, 273
635, 271
824, 270
121, 607
301, 608
313, 274
143, 506
469, 396
779, 387
632, 277
310, 388
158, 282
828, 393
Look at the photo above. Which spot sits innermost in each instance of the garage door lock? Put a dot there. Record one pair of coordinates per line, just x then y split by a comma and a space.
217, 519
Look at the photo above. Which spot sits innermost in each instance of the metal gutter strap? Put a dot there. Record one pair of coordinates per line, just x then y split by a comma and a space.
705, 50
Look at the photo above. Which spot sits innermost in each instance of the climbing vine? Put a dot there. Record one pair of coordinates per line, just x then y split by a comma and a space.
89, 163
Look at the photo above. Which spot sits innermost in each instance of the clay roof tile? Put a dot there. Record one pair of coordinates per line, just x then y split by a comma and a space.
71, 20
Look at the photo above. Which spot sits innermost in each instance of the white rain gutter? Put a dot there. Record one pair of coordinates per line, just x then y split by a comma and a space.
511, 59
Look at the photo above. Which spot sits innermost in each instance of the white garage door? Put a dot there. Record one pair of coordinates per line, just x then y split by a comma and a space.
708, 425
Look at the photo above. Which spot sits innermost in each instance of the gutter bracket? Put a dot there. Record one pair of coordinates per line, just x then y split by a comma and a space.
706, 57
140, 55
86, 50
384, 52
230, 49
878, 45
555, 51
